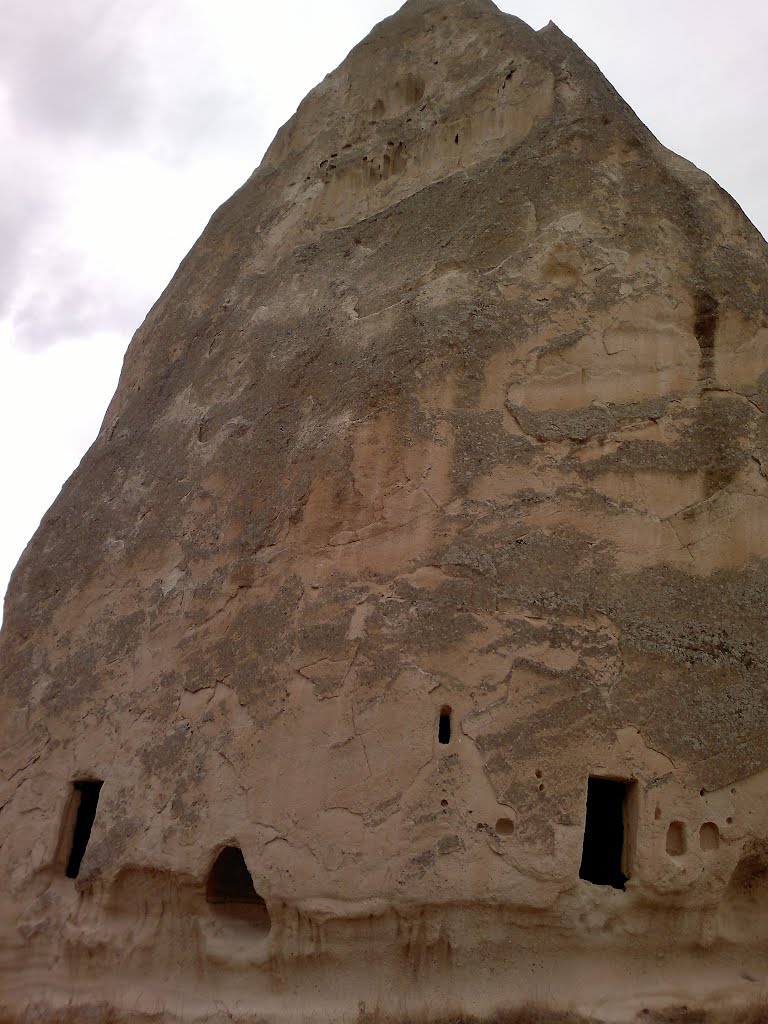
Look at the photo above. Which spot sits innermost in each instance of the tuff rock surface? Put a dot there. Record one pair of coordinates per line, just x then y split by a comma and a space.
458, 403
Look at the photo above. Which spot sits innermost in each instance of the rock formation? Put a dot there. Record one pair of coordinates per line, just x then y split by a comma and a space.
398, 649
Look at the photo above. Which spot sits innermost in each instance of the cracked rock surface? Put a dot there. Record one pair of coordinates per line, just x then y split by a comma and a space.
455, 413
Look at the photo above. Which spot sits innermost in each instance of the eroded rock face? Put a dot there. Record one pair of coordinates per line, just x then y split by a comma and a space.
434, 486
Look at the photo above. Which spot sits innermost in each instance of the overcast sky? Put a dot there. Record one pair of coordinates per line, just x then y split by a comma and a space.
125, 123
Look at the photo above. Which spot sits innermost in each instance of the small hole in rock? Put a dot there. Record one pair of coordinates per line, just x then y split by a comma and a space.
505, 827
729, 821
443, 803
541, 787
456, 139
538, 773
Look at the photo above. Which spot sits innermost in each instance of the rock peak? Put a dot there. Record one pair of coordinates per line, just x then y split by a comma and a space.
459, 12
447, 6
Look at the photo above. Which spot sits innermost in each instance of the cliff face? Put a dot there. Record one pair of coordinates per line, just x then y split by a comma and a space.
432, 496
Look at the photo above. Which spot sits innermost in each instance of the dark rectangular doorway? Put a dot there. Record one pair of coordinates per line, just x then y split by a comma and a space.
80, 817
605, 855
444, 726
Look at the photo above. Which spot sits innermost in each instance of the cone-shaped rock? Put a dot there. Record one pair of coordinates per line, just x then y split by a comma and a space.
410, 605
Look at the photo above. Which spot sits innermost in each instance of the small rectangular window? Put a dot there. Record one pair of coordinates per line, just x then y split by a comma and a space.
608, 832
444, 726
78, 822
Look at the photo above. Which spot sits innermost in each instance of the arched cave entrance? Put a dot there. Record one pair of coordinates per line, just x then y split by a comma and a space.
230, 889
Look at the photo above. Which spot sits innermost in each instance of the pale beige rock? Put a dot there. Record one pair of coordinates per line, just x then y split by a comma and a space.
458, 403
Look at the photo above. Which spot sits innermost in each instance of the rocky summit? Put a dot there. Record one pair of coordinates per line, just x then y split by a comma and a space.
397, 652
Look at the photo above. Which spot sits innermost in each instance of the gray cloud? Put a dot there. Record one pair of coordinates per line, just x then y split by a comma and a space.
71, 304
83, 79
24, 209
72, 68
143, 73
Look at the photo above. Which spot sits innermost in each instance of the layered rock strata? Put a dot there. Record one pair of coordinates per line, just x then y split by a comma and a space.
410, 605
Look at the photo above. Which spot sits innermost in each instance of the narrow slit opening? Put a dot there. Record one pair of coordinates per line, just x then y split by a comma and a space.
81, 813
444, 726
608, 830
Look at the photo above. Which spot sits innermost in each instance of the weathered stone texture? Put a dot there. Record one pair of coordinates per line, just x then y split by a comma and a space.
458, 402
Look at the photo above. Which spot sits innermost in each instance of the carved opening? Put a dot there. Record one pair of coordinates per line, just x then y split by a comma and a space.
444, 726
504, 827
709, 836
676, 839
230, 888
743, 914
608, 832
78, 822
